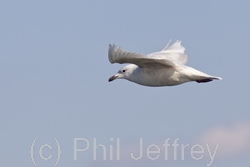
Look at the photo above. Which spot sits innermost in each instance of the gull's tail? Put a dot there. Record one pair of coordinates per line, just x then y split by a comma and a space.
198, 76
208, 79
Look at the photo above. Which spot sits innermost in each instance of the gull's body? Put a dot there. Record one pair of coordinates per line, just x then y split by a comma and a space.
164, 68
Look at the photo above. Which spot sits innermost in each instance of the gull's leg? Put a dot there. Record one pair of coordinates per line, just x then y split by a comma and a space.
204, 80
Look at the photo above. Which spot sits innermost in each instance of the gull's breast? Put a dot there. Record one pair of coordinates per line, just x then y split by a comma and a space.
158, 77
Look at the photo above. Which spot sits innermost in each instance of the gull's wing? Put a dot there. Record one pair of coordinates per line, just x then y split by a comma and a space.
174, 53
117, 55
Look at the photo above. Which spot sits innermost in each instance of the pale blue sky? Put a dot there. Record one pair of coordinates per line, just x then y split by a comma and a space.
54, 79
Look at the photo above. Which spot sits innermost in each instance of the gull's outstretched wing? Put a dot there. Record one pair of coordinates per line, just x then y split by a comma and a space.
117, 55
174, 53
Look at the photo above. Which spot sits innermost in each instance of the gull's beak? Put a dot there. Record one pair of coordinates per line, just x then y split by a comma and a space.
113, 78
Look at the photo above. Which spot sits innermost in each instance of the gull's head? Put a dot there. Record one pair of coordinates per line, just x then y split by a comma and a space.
124, 73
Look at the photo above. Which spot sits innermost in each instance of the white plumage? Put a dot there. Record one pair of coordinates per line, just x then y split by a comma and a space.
163, 68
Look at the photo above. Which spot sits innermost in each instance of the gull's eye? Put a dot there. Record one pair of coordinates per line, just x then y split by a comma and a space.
123, 70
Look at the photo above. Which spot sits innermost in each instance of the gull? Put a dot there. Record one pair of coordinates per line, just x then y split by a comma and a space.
164, 68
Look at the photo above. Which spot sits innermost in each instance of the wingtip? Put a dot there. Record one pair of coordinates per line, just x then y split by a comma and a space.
111, 45
167, 45
111, 51
178, 41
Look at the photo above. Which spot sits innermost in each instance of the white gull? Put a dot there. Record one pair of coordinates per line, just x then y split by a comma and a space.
163, 68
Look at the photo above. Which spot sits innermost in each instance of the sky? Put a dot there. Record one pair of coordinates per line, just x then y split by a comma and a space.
58, 108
